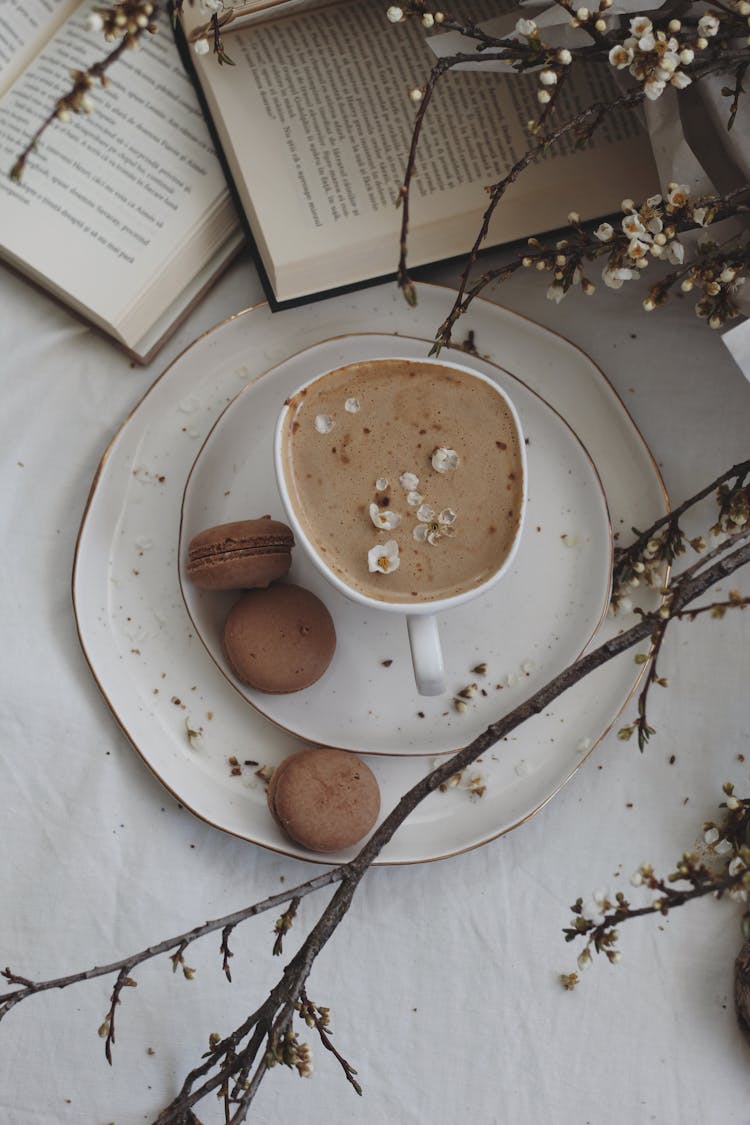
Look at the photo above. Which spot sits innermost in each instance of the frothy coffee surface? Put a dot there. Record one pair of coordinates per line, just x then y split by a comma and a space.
406, 477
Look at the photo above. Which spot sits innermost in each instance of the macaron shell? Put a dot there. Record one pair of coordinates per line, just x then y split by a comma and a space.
241, 570
325, 800
244, 554
280, 639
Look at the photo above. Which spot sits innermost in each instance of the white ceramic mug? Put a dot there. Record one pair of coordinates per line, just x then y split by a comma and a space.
421, 617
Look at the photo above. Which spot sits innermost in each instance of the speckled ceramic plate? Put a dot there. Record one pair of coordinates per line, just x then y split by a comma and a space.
526, 629
155, 673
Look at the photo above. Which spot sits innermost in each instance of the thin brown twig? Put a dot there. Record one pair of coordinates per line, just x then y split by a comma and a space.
296, 973
271, 1021
83, 80
627, 555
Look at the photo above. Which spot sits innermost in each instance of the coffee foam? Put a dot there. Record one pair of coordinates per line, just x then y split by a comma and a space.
431, 449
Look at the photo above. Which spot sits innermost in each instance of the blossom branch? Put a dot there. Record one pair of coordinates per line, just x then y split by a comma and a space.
235, 1066
670, 51
723, 869
131, 20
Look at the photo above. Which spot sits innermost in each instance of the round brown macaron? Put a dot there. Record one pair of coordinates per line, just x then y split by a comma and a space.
240, 555
280, 639
324, 799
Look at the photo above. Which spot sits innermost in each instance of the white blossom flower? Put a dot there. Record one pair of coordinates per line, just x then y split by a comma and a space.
444, 460
201, 46
526, 27
394, 14
677, 195
564, 56
732, 802
636, 879
555, 293
352, 405
711, 835
687, 54
548, 77
723, 847
434, 526
383, 557
543, 96
381, 484
414, 498
680, 80
384, 518
621, 56
640, 26
324, 423
736, 866
708, 25
614, 276
409, 481
604, 232
675, 252
653, 88
699, 215
94, 22
584, 959
639, 246
632, 226
428, 20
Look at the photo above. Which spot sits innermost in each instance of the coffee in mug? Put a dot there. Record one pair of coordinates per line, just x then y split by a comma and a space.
407, 477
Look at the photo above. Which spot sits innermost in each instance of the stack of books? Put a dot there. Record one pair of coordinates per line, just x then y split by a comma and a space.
128, 215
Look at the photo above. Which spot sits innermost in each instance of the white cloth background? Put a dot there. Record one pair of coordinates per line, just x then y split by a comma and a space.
443, 979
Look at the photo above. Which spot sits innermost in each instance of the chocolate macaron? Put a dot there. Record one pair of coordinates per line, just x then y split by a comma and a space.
280, 639
240, 555
324, 799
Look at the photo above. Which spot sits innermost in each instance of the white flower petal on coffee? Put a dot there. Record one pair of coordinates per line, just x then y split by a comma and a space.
384, 518
434, 527
381, 484
383, 557
324, 423
409, 481
352, 405
414, 498
444, 460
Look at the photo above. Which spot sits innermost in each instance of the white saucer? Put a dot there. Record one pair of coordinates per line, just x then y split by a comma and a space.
155, 674
526, 629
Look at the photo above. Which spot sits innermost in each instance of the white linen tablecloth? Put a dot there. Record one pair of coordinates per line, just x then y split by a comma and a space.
443, 979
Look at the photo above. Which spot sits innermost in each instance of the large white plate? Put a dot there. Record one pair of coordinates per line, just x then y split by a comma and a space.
154, 672
538, 619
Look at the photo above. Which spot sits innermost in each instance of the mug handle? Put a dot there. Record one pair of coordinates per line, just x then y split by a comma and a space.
426, 653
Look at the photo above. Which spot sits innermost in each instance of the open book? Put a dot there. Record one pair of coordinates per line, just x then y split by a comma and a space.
314, 123
123, 214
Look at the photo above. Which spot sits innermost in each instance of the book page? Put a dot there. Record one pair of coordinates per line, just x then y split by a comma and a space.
25, 26
194, 19
324, 97
110, 198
